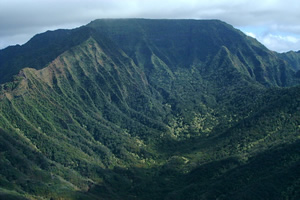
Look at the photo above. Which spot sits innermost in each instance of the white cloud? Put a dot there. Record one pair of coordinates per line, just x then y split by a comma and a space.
12, 40
28, 17
250, 34
281, 43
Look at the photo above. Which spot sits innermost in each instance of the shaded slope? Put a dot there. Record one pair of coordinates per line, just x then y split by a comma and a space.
28, 173
186, 43
273, 174
293, 58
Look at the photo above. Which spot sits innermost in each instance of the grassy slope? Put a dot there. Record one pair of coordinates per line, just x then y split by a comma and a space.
74, 113
39, 51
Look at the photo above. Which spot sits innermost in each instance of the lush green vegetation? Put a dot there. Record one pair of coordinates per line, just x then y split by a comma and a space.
293, 58
148, 109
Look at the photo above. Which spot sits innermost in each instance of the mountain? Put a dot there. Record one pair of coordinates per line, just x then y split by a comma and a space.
39, 51
148, 109
293, 58
182, 43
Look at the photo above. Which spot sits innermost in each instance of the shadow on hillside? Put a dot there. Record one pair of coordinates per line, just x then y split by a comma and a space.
277, 170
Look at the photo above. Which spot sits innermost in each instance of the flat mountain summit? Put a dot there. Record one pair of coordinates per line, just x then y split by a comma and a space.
149, 109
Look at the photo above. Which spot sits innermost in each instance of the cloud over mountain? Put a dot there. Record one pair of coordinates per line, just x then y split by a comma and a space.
24, 18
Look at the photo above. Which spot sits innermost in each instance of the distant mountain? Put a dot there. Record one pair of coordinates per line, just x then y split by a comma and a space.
293, 58
148, 109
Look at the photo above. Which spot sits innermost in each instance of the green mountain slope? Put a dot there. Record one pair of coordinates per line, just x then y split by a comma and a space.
148, 109
81, 112
185, 43
39, 51
293, 58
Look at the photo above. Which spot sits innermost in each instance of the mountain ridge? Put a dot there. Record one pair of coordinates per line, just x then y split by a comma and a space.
182, 31
86, 31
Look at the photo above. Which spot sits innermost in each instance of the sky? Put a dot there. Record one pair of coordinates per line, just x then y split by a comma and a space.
275, 23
